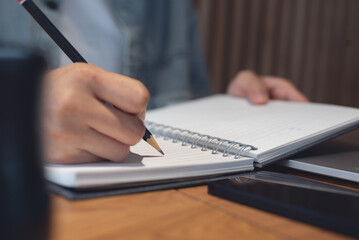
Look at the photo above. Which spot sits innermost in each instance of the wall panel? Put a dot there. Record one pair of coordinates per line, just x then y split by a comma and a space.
314, 43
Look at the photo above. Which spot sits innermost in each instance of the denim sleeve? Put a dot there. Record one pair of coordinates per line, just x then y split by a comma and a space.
19, 29
200, 79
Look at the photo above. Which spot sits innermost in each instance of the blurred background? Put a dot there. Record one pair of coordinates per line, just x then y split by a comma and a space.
314, 43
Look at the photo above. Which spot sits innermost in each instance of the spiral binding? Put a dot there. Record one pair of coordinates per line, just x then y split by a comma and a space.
195, 139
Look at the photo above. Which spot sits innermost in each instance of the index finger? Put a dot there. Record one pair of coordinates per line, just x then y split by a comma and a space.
125, 93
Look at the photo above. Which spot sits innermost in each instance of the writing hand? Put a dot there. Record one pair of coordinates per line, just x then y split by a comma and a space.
259, 89
77, 124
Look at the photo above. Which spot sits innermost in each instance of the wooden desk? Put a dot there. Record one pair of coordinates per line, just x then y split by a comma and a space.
172, 214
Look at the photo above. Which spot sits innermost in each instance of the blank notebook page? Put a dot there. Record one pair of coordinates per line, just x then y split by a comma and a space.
266, 127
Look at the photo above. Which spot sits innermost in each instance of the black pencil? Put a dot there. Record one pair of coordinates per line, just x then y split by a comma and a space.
68, 49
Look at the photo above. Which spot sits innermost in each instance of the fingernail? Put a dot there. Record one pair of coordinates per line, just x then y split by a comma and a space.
142, 116
258, 98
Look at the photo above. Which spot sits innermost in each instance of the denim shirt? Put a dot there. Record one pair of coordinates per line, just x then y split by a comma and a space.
158, 43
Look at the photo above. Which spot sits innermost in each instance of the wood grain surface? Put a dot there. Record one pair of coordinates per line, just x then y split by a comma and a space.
188, 213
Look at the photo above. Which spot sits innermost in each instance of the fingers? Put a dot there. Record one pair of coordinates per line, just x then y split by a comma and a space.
250, 85
282, 89
61, 145
78, 126
84, 146
103, 147
125, 128
258, 89
125, 93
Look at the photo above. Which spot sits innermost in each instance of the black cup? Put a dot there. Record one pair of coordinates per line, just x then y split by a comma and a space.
24, 202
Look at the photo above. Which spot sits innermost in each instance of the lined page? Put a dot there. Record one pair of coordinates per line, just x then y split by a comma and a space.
145, 164
267, 127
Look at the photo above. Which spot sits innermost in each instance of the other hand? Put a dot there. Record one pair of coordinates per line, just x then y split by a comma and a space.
259, 89
77, 124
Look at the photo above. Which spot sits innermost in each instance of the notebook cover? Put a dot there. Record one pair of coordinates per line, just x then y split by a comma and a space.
78, 194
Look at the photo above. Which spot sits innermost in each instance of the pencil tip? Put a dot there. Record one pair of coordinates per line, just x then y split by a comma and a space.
151, 140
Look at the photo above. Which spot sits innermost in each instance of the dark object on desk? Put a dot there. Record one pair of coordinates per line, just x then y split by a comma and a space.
323, 205
24, 203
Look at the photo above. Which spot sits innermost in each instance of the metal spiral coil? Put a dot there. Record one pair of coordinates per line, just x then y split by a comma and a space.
195, 139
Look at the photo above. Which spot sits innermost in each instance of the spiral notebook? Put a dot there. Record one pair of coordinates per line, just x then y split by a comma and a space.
213, 136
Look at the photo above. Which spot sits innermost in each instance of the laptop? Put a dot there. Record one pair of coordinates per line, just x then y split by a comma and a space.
338, 158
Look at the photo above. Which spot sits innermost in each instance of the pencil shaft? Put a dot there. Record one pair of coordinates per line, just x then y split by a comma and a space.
53, 32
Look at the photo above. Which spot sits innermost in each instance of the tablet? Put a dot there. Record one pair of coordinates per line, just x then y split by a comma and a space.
336, 159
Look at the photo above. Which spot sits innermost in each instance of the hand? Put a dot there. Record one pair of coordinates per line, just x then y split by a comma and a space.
259, 89
77, 124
